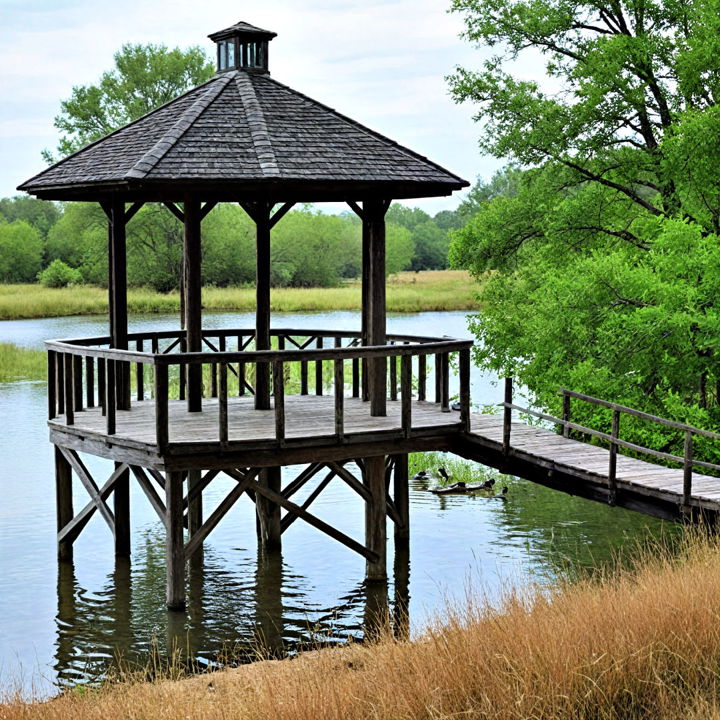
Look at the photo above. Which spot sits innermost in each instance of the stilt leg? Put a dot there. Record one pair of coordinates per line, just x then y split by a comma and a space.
64, 503
268, 512
195, 513
121, 497
375, 524
401, 617
402, 499
174, 549
377, 610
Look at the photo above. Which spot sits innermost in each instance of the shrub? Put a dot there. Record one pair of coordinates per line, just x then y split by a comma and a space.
58, 274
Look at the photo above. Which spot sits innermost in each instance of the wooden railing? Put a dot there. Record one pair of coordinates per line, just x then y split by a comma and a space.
86, 373
688, 461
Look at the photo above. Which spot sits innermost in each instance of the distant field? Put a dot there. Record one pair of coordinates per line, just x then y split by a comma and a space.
407, 292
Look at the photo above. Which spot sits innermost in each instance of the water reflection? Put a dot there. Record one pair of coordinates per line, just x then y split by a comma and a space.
232, 617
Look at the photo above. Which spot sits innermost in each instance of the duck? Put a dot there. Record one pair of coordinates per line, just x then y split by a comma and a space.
422, 475
488, 484
502, 495
444, 474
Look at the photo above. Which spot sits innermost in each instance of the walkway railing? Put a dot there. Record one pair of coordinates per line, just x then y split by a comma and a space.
687, 460
84, 373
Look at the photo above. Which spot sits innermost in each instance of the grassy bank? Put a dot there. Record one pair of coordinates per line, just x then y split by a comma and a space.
18, 363
407, 292
641, 643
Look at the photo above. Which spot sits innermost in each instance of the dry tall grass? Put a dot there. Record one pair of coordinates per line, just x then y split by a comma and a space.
407, 292
634, 644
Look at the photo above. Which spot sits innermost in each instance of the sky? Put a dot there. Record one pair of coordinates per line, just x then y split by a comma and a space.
383, 63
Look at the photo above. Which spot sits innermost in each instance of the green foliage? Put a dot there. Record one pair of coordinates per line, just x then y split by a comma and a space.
603, 257
18, 363
144, 77
57, 274
40, 214
21, 251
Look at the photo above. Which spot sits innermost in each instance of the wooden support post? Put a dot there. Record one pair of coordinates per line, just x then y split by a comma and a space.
268, 512
193, 299
687, 472
174, 546
507, 415
117, 289
374, 222
64, 502
612, 467
365, 310
262, 304
465, 390
195, 506
121, 508
375, 517
401, 488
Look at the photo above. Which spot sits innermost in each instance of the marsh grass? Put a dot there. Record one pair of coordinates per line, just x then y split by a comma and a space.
459, 470
17, 363
632, 642
407, 292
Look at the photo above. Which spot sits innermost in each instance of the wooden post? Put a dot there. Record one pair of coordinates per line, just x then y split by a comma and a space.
375, 517
507, 415
465, 390
365, 310
445, 366
374, 220
64, 502
566, 415
402, 498
193, 299
174, 546
687, 471
268, 512
121, 507
262, 304
117, 289
195, 509
612, 469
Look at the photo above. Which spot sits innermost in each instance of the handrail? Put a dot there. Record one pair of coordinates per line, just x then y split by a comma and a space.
107, 371
687, 460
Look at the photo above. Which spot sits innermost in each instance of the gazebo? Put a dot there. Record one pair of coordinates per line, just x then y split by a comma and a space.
245, 138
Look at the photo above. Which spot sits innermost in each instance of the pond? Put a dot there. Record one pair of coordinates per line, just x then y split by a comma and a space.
62, 626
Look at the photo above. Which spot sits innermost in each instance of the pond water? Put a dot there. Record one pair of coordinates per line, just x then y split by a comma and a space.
60, 626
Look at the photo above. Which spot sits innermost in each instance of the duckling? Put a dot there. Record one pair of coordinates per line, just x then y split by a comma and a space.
487, 485
502, 494
443, 473
422, 475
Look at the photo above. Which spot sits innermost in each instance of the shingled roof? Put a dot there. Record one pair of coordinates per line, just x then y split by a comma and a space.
239, 136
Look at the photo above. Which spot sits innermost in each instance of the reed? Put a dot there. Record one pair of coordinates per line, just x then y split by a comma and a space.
633, 643
407, 292
17, 363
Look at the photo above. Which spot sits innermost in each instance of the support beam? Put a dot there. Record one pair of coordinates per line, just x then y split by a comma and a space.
375, 514
64, 503
121, 506
262, 306
374, 307
401, 493
192, 264
268, 512
174, 546
117, 295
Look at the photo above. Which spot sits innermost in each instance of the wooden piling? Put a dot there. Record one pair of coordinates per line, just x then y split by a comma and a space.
401, 493
121, 507
375, 517
64, 502
268, 512
174, 546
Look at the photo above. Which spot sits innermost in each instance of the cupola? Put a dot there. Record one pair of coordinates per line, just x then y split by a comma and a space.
243, 47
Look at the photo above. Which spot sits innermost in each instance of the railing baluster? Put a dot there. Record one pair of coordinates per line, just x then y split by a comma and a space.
90, 382
422, 376
612, 468
356, 377
365, 380
223, 402
182, 371
69, 394
241, 369
319, 370
279, 393
393, 376
687, 470
507, 415
566, 414
162, 424
60, 375
445, 364
214, 372
77, 383
339, 399
110, 396
464, 362
52, 384
101, 385
438, 378
140, 373
405, 392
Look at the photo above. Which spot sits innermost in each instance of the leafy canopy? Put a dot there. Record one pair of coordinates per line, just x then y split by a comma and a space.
144, 77
603, 261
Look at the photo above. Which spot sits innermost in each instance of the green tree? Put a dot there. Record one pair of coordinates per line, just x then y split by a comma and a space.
40, 214
604, 255
21, 251
144, 77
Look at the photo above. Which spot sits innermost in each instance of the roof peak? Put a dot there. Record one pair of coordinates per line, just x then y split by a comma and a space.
243, 28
